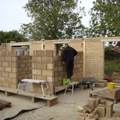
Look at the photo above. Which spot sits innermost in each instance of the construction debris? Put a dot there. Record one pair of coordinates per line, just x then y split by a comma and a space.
103, 110
101, 84
4, 103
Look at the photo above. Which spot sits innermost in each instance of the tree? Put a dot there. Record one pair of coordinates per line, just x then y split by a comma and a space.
6, 37
53, 19
105, 18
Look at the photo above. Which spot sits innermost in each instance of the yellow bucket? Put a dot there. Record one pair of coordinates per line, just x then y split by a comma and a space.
111, 85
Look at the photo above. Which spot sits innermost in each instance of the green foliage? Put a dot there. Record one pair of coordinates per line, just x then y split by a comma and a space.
105, 18
11, 36
111, 55
53, 19
112, 65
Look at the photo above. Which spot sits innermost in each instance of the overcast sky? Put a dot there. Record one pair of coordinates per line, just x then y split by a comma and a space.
12, 15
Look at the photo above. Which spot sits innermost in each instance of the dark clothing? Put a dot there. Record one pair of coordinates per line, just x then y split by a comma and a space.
69, 68
68, 59
68, 53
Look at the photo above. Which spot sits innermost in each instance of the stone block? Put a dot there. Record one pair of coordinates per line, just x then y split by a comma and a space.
41, 53
12, 64
49, 53
8, 69
4, 53
12, 75
91, 116
2, 69
12, 85
49, 66
117, 112
36, 71
40, 77
49, 79
5, 74
80, 118
12, 53
5, 84
2, 59
36, 59
101, 111
47, 73
47, 59
100, 85
91, 102
8, 59
97, 102
41, 65
4, 64
7, 79
2, 78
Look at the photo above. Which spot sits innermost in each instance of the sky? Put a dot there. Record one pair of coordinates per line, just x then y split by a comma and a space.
12, 15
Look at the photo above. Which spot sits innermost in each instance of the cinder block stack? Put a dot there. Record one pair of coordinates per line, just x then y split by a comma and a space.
98, 109
101, 84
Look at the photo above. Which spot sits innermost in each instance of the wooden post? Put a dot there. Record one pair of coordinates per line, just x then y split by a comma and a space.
83, 58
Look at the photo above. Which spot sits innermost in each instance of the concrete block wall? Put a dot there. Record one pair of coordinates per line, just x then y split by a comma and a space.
94, 58
42, 69
14, 68
8, 69
24, 67
46, 66
60, 71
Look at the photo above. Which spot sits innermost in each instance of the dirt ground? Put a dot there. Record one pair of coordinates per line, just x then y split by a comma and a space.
64, 110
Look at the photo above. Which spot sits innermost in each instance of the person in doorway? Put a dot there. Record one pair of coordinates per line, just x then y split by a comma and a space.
68, 59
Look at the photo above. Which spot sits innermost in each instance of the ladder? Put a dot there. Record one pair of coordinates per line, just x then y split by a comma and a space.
41, 82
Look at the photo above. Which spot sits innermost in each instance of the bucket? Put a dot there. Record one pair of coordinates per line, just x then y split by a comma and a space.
111, 85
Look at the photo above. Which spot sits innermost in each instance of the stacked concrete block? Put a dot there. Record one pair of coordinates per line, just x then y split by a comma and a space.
42, 69
101, 84
103, 111
112, 94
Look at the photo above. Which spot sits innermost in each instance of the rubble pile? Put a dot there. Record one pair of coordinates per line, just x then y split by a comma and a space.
98, 109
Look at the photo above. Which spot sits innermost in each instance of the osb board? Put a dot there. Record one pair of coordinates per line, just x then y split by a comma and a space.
27, 93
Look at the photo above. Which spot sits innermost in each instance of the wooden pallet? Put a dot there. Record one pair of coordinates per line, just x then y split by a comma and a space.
4, 103
51, 100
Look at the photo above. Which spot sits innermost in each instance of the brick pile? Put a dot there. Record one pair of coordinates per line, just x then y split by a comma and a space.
98, 109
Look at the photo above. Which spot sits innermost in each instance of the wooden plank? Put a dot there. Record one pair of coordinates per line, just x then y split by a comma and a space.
83, 58
52, 102
60, 88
